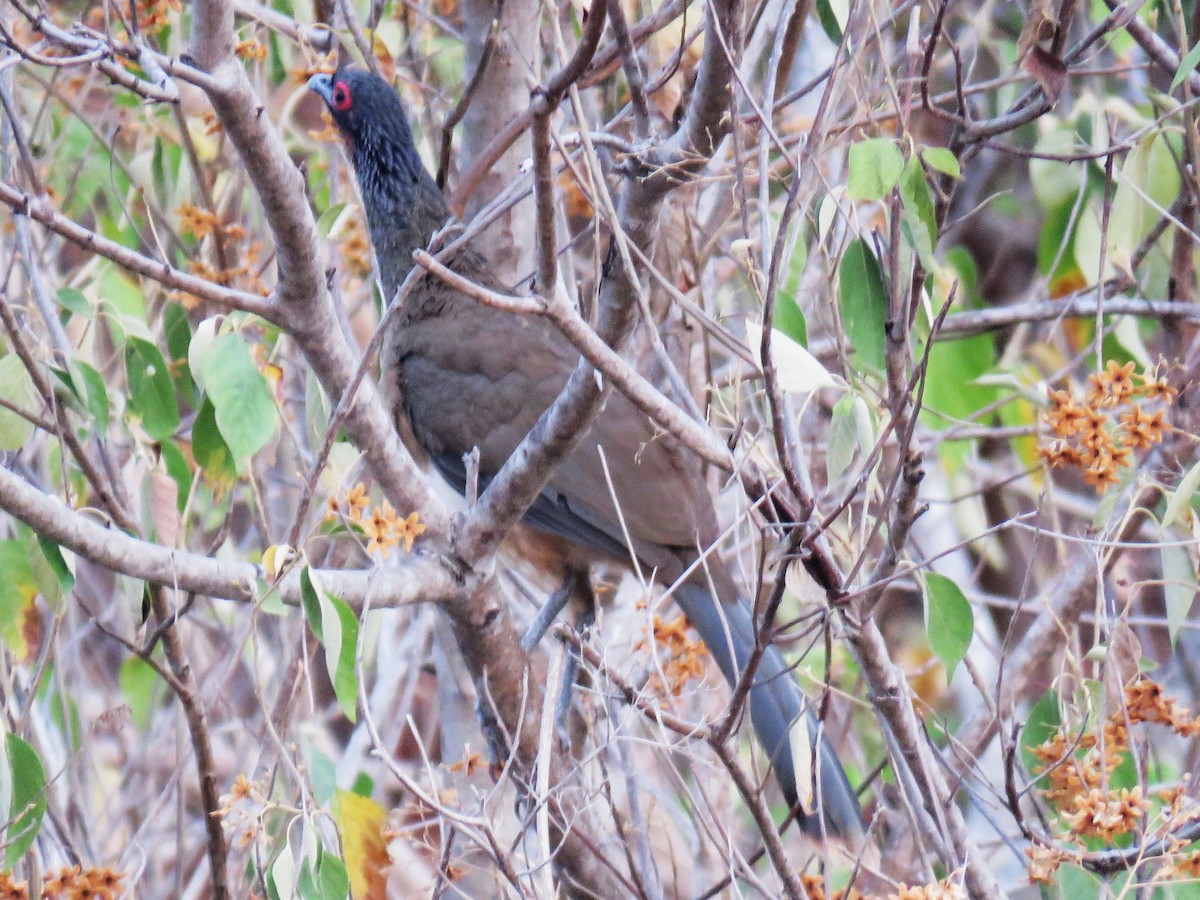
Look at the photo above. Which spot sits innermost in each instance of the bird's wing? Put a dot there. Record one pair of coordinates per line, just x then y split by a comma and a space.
472, 376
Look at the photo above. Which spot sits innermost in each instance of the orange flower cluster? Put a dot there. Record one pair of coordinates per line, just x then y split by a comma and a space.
946, 889
251, 49
1074, 768
383, 527
201, 223
1187, 868
1044, 862
1146, 703
244, 809
1078, 770
685, 654
356, 248
69, 883
243, 789
1099, 433
230, 277
814, 889
1106, 814
212, 124
301, 74
155, 15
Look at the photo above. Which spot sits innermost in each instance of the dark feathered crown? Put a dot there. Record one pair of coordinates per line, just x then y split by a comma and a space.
374, 122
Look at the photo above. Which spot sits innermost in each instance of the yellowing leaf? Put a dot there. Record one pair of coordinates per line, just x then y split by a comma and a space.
361, 822
387, 65
275, 558
17, 592
207, 147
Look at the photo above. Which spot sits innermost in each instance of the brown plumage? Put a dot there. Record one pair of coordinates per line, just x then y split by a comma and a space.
471, 376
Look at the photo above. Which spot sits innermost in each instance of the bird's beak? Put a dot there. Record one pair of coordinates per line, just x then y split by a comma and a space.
322, 85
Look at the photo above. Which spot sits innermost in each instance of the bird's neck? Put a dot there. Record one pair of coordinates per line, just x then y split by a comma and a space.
404, 207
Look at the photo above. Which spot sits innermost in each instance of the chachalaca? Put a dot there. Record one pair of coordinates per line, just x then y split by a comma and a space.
471, 376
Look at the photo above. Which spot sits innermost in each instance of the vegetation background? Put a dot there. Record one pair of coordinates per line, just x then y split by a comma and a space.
920, 282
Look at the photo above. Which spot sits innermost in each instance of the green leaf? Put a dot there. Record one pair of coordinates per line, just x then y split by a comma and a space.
323, 775
1074, 881
850, 432
177, 467
329, 217
17, 592
875, 167
1056, 242
74, 302
209, 448
789, 318
863, 303
1179, 587
336, 627
918, 221
830, 20
318, 879
1042, 725
152, 396
942, 160
58, 565
17, 388
949, 621
178, 332
327, 880
1055, 182
951, 386
89, 385
332, 877
245, 409
138, 681
28, 800
1148, 181
364, 785
954, 389
1187, 65
1182, 496
124, 293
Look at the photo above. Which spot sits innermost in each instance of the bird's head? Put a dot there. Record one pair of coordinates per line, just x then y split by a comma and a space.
374, 124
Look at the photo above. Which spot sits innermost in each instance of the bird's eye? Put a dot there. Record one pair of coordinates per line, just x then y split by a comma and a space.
341, 97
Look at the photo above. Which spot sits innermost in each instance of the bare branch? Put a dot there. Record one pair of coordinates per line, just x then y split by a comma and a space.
419, 578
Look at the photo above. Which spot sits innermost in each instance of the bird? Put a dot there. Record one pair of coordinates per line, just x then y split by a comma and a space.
473, 378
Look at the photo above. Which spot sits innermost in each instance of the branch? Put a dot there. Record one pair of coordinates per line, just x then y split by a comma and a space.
319, 37
1154, 46
417, 578
98, 50
481, 621
304, 306
1088, 305
545, 99
161, 272
1060, 606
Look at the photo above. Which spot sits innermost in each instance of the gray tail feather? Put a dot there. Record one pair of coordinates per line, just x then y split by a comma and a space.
775, 703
